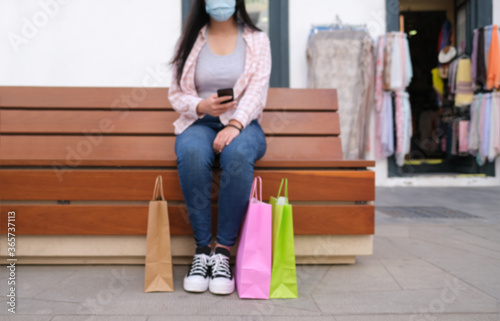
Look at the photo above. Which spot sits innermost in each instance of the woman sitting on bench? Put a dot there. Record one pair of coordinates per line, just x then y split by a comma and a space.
220, 48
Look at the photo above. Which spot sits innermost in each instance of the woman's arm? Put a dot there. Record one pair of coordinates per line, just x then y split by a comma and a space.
254, 99
183, 102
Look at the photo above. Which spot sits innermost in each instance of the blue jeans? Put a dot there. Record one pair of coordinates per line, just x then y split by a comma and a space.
195, 161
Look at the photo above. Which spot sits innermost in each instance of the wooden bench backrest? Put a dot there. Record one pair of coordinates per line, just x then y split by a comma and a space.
41, 126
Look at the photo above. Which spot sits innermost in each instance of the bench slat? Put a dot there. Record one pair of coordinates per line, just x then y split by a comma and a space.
151, 98
130, 185
151, 122
132, 219
142, 150
335, 164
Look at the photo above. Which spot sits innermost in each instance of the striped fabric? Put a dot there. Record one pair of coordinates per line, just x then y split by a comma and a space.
250, 89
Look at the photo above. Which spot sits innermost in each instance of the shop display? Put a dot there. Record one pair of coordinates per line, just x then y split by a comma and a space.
342, 57
393, 74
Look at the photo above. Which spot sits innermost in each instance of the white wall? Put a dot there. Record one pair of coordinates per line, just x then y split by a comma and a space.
87, 42
496, 12
118, 42
305, 13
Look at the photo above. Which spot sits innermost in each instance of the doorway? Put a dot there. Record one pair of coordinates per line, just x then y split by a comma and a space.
423, 21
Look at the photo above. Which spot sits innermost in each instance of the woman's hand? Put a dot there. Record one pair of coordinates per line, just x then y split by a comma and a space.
224, 138
213, 105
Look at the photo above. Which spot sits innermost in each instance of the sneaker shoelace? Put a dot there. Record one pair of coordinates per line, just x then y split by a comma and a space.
199, 265
220, 266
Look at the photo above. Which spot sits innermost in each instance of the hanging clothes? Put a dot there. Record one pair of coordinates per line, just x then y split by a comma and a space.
485, 128
379, 74
484, 133
401, 68
388, 56
445, 35
452, 74
344, 59
403, 126
464, 90
496, 125
473, 71
475, 110
494, 133
487, 42
463, 139
385, 128
437, 82
393, 74
493, 65
481, 62
485, 69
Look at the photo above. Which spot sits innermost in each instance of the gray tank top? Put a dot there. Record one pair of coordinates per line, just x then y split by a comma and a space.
215, 72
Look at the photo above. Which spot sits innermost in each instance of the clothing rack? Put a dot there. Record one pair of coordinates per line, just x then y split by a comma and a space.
485, 77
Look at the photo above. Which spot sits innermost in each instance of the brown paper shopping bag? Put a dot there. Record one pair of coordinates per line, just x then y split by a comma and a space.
158, 271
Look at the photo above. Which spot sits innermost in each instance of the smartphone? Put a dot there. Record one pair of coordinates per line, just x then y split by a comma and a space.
226, 92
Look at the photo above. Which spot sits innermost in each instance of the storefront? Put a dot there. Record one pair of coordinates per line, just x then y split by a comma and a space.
441, 119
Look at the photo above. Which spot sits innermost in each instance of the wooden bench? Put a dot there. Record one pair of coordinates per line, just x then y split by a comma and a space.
77, 165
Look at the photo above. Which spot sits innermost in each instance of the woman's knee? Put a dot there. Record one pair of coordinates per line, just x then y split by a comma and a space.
237, 156
195, 156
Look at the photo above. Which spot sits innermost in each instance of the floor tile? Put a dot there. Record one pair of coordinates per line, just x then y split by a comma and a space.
364, 276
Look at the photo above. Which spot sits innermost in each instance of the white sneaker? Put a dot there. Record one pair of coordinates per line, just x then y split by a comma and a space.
198, 276
221, 280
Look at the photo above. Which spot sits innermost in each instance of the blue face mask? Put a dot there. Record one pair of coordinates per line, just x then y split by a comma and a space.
220, 10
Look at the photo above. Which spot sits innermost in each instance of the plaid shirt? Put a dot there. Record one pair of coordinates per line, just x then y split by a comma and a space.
250, 89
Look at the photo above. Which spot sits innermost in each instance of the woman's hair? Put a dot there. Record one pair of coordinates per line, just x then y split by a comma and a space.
198, 17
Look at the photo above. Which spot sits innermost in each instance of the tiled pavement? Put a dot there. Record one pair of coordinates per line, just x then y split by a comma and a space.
422, 269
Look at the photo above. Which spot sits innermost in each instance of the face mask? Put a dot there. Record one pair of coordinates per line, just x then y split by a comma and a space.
220, 10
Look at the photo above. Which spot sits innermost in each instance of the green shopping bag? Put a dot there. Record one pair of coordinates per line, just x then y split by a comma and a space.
284, 275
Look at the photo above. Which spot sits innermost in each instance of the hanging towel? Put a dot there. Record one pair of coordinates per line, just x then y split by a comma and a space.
493, 70
473, 71
401, 68
475, 110
403, 126
379, 82
494, 127
385, 128
485, 139
487, 42
463, 132
481, 129
387, 61
397, 64
481, 63
497, 123
464, 91
408, 75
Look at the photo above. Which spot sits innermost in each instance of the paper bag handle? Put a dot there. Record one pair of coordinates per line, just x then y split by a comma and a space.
158, 190
253, 193
285, 180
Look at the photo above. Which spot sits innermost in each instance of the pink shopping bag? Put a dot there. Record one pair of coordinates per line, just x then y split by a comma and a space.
253, 258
